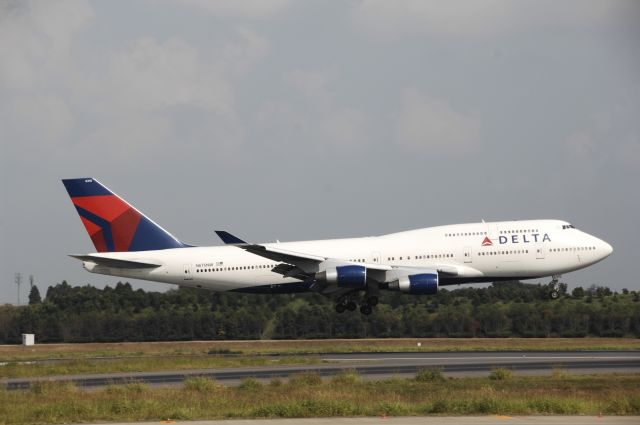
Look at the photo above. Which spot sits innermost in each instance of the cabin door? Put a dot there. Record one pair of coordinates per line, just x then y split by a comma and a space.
375, 257
188, 272
540, 251
467, 254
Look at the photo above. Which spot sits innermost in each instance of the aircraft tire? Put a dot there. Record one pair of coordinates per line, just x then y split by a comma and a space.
366, 309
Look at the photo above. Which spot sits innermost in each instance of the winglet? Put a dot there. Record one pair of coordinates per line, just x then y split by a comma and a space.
228, 238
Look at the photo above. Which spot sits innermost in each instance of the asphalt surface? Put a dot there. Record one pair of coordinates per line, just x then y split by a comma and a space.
379, 366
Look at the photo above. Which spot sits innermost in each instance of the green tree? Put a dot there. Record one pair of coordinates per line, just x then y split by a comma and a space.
34, 296
578, 292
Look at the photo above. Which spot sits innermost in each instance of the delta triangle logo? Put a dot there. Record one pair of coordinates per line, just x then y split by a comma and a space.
487, 241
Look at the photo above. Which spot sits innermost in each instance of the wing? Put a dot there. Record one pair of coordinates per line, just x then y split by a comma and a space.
308, 263
116, 262
305, 267
228, 238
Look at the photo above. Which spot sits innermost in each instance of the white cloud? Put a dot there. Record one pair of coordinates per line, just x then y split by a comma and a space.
35, 73
431, 125
253, 9
317, 118
314, 86
158, 93
239, 55
581, 144
345, 127
138, 97
328, 121
440, 18
35, 123
35, 38
611, 136
471, 18
628, 152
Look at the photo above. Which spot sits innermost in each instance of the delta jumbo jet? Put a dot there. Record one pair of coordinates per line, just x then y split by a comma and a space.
348, 270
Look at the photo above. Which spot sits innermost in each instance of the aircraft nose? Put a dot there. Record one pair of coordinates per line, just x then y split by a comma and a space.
605, 248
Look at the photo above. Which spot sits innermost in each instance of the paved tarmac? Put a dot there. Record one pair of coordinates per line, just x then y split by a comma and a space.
380, 366
424, 420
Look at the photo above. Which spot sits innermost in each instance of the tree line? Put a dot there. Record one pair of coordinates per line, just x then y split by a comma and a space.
508, 309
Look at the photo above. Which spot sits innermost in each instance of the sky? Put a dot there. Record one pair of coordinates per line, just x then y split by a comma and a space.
276, 119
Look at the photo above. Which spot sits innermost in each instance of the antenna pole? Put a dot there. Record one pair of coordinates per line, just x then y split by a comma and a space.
18, 280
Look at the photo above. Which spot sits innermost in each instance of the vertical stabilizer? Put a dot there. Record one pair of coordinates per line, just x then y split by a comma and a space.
112, 223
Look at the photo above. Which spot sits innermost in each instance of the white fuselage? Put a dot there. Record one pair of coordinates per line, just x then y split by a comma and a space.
477, 252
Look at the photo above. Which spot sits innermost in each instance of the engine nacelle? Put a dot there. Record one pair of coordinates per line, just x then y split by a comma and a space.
417, 284
350, 276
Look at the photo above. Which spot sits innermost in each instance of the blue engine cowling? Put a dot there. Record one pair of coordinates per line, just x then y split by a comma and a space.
419, 284
350, 276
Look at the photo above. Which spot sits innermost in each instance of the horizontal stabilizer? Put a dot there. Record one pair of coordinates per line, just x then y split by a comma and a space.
116, 262
228, 238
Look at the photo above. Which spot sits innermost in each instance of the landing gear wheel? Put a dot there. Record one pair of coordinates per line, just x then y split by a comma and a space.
351, 306
366, 309
340, 308
554, 293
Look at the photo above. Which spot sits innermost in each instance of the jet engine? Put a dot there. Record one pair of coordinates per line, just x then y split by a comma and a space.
417, 284
349, 276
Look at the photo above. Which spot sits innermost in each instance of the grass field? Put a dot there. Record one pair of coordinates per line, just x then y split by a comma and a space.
343, 395
147, 364
291, 347
157, 356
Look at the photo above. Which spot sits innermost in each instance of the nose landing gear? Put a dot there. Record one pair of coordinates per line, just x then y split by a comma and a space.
554, 291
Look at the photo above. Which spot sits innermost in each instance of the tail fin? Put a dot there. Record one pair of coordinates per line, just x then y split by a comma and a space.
113, 224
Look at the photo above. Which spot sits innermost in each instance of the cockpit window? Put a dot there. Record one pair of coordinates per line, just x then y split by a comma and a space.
568, 226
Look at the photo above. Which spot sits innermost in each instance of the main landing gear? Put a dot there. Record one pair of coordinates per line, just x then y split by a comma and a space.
554, 291
366, 307
345, 304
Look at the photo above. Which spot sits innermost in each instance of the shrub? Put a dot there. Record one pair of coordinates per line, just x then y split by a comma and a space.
500, 374
348, 377
560, 373
222, 351
276, 382
429, 375
305, 379
52, 387
200, 384
250, 384
135, 387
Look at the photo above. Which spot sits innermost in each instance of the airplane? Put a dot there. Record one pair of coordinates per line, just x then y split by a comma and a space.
350, 271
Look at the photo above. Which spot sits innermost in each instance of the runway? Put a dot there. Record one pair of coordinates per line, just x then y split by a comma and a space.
379, 366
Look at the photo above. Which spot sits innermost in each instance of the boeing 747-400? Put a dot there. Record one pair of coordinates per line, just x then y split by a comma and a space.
351, 271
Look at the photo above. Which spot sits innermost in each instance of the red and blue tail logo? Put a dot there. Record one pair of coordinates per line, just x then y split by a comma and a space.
113, 224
